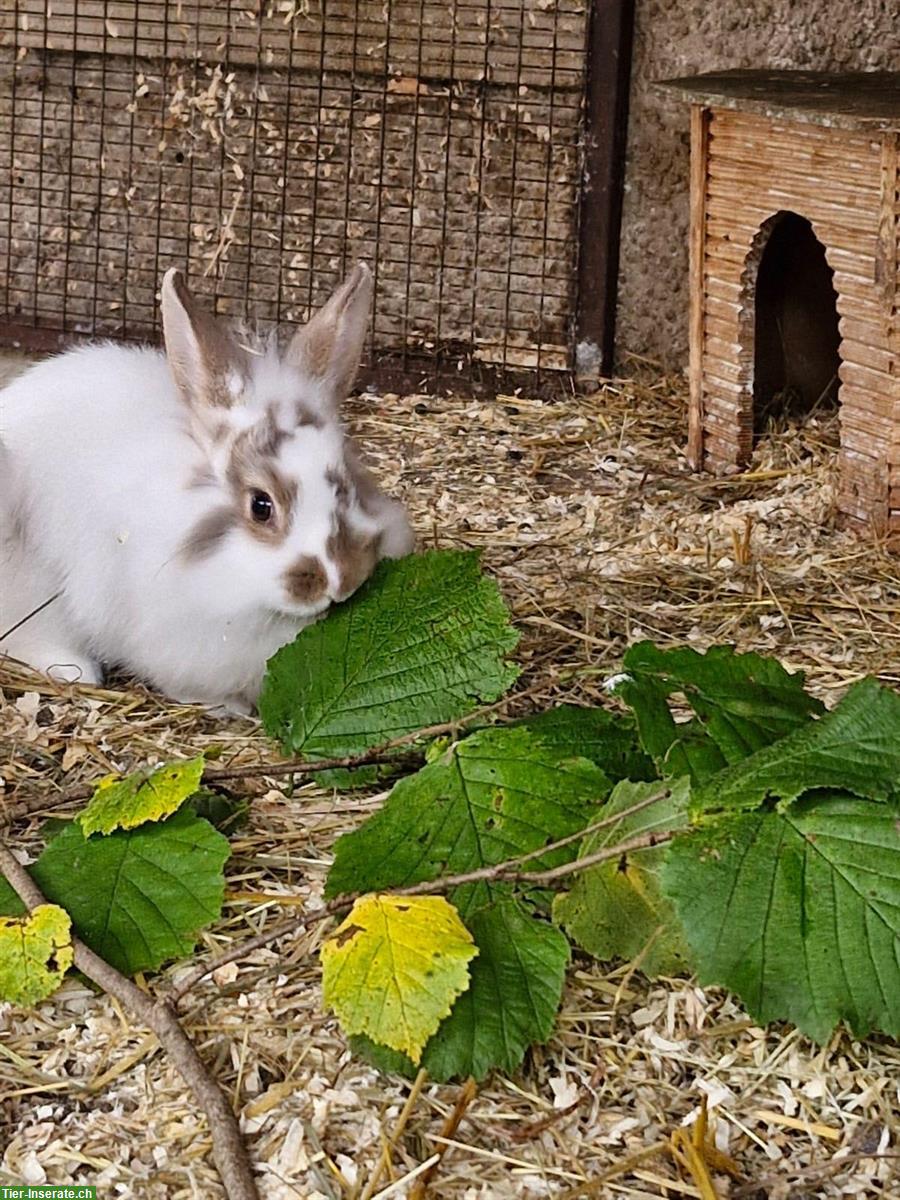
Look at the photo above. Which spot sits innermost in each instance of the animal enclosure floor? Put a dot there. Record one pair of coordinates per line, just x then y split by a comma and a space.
600, 536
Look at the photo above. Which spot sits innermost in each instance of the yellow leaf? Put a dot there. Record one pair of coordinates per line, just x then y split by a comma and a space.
394, 968
143, 796
35, 953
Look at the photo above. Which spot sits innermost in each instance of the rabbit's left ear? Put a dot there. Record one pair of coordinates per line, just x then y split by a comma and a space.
208, 364
329, 348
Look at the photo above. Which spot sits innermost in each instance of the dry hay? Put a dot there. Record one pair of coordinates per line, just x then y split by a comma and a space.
599, 535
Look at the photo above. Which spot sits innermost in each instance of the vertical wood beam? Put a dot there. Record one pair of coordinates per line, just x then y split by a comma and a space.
700, 116
887, 278
610, 40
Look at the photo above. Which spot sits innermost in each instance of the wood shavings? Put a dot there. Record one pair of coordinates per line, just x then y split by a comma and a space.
589, 558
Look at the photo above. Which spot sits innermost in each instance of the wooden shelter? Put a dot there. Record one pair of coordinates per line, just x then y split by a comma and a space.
795, 240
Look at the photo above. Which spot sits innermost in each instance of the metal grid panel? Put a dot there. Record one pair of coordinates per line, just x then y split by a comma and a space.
265, 146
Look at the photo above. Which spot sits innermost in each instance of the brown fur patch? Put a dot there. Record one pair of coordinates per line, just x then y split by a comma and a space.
18, 525
220, 355
305, 416
367, 491
251, 469
355, 555
306, 581
267, 436
319, 346
329, 346
341, 485
208, 533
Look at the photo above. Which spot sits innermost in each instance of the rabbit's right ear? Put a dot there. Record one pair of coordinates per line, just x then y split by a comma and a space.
208, 365
328, 349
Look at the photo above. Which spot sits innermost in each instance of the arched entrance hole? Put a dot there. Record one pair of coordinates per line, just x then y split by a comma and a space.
796, 347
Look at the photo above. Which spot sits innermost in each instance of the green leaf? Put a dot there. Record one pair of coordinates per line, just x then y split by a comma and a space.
605, 738
394, 967
140, 896
425, 641
677, 748
392, 1062
798, 911
514, 992
147, 795
224, 812
35, 953
854, 747
497, 794
10, 904
745, 701
742, 702
513, 996
616, 909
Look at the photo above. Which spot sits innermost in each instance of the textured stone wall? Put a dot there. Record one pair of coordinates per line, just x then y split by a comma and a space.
674, 37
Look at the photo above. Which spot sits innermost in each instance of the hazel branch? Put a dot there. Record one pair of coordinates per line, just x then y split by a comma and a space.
509, 871
229, 1153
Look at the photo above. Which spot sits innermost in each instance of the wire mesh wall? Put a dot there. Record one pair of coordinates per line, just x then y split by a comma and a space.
264, 145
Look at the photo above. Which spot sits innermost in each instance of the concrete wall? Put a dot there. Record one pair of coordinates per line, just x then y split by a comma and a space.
681, 37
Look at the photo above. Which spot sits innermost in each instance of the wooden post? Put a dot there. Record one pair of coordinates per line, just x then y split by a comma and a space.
603, 175
699, 148
887, 278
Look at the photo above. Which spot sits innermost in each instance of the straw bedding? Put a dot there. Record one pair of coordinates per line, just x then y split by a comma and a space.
599, 536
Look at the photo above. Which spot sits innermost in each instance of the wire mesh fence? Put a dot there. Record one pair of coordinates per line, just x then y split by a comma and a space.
264, 146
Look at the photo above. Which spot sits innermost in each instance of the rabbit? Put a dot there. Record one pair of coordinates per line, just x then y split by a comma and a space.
183, 514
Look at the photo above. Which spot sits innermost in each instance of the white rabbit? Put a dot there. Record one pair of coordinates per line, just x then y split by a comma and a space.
189, 511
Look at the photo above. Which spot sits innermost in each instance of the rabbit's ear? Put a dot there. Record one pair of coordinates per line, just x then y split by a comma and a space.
208, 364
328, 349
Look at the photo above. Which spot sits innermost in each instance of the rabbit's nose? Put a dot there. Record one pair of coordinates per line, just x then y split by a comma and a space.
306, 581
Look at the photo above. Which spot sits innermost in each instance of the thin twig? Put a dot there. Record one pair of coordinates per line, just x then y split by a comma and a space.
259, 942
228, 1150
591, 1187
833, 1167
595, 826
379, 753
384, 1158
34, 612
505, 872
212, 775
467, 1094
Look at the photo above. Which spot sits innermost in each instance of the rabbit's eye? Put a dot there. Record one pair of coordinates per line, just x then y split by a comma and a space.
261, 507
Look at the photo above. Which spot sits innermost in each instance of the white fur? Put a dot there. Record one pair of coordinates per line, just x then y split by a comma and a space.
100, 460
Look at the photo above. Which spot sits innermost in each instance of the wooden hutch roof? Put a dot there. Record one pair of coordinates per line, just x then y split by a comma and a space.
860, 100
